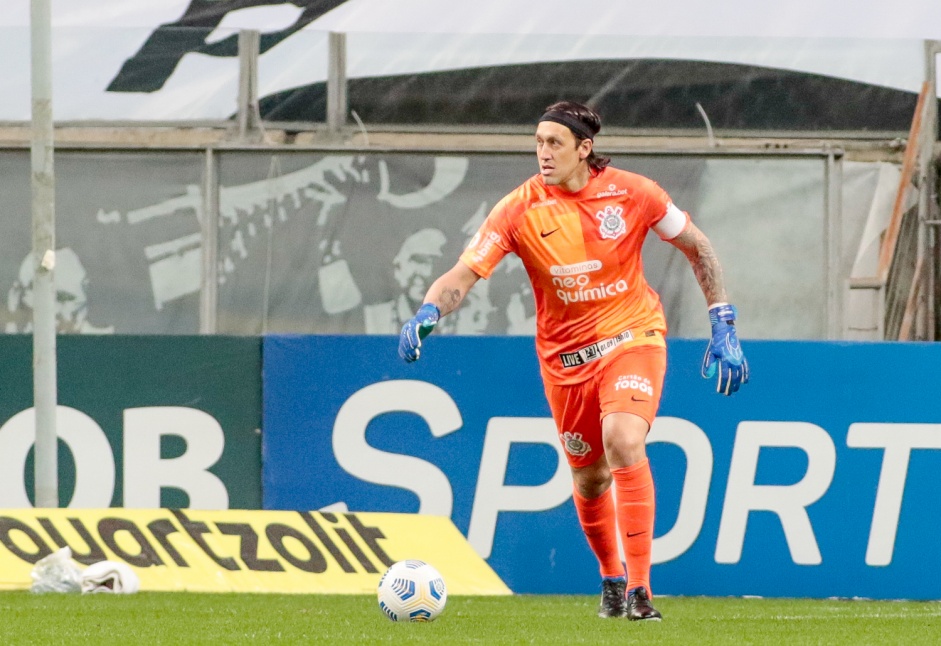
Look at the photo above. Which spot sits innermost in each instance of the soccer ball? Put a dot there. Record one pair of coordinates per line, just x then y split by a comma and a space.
412, 591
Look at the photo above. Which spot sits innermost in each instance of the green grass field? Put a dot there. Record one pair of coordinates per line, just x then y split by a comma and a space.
182, 618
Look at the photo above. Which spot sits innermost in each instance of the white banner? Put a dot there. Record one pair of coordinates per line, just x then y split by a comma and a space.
174, 60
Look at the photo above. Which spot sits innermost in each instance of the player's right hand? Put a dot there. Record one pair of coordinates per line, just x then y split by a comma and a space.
416, 329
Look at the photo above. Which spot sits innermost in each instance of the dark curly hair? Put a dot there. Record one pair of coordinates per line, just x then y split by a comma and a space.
592, 122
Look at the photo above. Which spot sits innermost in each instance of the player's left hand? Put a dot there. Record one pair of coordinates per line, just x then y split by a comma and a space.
724, 354
416, 329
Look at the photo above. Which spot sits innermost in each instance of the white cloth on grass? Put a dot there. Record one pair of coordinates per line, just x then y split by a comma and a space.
110, 576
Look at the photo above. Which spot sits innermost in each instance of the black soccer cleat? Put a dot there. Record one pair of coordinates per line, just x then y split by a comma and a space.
639, 607
613, 603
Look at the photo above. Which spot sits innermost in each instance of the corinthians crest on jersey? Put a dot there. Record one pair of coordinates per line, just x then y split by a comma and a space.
612, 224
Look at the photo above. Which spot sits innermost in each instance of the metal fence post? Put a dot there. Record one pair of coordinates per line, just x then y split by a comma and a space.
209, 287
45, 388
248, 115
336, 83
833, 241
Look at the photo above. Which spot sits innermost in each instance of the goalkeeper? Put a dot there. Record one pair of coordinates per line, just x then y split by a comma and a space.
578, 227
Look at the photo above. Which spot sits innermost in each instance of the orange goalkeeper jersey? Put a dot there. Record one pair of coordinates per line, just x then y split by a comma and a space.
582, 252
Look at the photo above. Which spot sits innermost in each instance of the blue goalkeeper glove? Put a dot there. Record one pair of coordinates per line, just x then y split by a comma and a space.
724, 351
416, 329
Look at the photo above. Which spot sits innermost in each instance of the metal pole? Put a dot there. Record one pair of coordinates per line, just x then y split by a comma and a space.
43, 209
336, 82
209, 295
249, 115
833, 240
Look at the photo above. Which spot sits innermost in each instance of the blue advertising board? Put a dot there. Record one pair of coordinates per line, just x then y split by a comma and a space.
816, 479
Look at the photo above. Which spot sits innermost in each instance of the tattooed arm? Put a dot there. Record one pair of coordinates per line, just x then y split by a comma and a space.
724, 357
702, 257
443, 297
449, 290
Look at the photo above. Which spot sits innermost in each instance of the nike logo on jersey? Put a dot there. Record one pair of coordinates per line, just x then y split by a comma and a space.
545, 234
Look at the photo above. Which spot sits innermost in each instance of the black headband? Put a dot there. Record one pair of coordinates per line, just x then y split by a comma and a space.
576, 126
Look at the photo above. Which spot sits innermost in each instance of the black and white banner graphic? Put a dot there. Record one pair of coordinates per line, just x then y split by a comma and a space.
309, 242
804, 65
306, 243
196, 33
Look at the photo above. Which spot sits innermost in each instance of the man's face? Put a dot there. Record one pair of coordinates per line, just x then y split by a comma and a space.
414, 275
71, 298
558, 154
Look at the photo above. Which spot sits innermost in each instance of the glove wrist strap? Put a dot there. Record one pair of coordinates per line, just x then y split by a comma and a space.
722, 312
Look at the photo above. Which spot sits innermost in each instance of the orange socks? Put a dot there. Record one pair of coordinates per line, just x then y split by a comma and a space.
597, 518
635, 513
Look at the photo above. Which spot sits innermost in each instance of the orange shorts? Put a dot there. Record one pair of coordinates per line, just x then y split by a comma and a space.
629, 381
